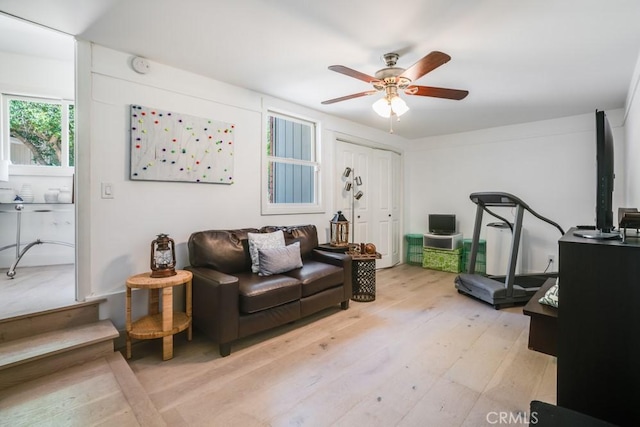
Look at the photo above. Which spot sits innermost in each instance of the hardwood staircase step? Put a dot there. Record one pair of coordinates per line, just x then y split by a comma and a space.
29, 357
104, 391
49, 320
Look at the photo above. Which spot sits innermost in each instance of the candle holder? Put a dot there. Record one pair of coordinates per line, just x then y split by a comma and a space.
163, 257
339, 230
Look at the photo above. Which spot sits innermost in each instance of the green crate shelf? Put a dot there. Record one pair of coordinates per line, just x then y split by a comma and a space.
481, 257
442, 259
414, 249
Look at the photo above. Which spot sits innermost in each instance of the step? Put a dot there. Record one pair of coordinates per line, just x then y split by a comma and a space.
104, 391
49, 320
30, 357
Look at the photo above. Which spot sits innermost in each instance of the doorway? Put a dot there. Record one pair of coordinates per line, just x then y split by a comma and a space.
38, 73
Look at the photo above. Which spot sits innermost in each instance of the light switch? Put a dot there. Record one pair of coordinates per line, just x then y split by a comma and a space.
107, 190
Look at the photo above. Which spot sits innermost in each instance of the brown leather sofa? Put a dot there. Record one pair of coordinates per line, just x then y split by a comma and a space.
231, 302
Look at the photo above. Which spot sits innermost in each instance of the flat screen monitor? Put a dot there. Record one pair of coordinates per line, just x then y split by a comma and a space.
605, 174
442, 224
604, 182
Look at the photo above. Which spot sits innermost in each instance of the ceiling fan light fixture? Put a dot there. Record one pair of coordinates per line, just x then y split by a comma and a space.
390, 105
398, 106
382, 107
392, 79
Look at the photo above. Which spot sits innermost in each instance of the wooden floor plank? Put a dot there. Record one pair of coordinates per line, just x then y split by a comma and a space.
519, 376
420, 354
144, 412
66, 397
477, 365
546, 390
315, 365
36, 288
101, 392
446, 404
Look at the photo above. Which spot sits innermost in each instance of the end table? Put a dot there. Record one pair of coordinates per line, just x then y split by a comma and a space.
364, 276
158, 324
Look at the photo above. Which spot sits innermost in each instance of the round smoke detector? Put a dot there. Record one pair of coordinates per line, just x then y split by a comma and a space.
140, 65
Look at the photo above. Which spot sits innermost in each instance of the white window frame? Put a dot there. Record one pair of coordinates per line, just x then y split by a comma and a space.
269, 208
36, 170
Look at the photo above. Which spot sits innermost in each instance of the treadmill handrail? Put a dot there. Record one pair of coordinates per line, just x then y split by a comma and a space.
498, 216
485, 199
495, 198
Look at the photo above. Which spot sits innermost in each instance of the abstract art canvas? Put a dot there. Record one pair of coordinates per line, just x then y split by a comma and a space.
168, 146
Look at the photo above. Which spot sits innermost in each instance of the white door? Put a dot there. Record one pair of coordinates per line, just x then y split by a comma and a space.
382, 206
376, 215
396, 200
362, 220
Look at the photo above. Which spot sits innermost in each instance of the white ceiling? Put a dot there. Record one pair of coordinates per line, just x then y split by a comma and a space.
521, 61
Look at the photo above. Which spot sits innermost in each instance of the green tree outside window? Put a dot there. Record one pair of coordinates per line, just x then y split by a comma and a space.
38, 127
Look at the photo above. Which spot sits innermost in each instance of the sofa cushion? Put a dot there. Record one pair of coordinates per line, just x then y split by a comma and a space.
317, 276
224, 250
260, 293
279, 260
259, 241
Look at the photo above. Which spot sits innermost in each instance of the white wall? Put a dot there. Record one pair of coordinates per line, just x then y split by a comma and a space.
115, 234
34, 76
551, 165
632, 137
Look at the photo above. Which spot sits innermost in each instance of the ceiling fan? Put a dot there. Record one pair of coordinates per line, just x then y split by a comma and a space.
391, 79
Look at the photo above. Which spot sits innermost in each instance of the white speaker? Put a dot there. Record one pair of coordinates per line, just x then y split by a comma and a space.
442, 241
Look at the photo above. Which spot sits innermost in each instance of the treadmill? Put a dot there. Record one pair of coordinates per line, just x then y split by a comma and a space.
508, 290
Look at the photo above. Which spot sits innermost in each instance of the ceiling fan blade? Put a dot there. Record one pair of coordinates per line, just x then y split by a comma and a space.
344, 98
425, 65
437, 92
352, 73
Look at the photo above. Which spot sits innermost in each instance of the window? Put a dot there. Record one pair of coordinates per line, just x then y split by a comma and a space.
292, 167
40, 132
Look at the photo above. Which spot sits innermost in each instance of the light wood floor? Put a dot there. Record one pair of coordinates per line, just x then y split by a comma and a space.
102, 392
419, 355
36, 289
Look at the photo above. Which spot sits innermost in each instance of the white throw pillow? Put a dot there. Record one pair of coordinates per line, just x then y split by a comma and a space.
263, 241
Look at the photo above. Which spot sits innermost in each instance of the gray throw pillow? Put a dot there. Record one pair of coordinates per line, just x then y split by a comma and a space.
279, 260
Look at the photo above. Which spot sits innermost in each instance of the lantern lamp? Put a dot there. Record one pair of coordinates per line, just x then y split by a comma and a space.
163, 256
339, 230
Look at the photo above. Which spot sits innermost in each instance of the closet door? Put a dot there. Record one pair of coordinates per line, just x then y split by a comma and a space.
376, 215
396, 211
386, 177
382, 206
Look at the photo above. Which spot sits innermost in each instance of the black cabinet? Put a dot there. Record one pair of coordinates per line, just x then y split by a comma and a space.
599, 328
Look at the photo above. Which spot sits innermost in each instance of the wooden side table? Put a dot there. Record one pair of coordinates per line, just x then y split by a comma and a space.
158, 324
